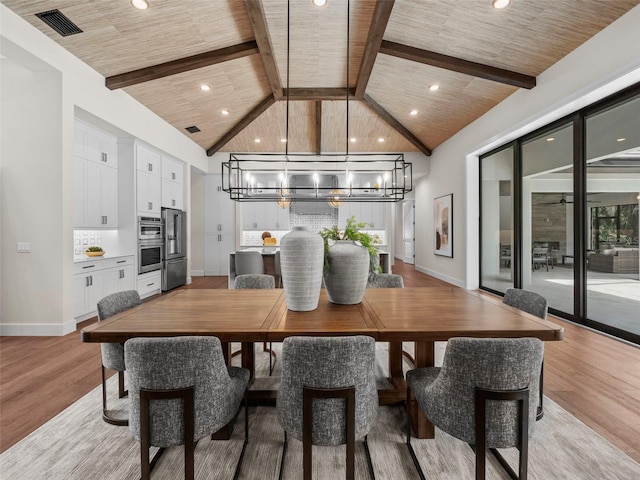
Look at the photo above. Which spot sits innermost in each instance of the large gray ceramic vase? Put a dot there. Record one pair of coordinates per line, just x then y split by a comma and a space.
301, 263
346, 278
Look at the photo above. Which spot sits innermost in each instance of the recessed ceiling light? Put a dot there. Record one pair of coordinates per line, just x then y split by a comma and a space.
500, 4
413, 112
621, 139
224, 111
353, 139
434, 87
550, 139
381, 140
319, 3
204, 87
257, 140
140, 4
283, 140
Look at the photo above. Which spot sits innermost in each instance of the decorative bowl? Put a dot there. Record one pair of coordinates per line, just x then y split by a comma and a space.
94, 254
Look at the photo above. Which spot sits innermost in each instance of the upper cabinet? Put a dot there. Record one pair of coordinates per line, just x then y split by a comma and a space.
264, 216
172, 183
95, 178
148, 180
371, 213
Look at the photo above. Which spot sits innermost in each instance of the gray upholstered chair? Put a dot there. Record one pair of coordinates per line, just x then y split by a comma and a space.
113, 353
180, 390
534, 304
257, 281
317, 374
248, 262
385, 280
481, 396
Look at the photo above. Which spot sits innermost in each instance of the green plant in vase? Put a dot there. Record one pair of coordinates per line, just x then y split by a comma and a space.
353, 231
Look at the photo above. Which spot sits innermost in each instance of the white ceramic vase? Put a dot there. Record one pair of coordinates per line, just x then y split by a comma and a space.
346, 278
301, 263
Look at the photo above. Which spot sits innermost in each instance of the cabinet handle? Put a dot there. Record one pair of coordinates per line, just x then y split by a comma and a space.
86, 281
219, 237
90, 280
219, 227
173, 175
173, 203
219, 187
255, 225
150, 205
150, 167
121, 273
121, 261
88, 266
150, 284
106, 219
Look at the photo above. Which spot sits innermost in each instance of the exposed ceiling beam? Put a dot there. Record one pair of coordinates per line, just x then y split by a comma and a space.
379, 22
261, 32
242, 124
181, 65
391, 120
457, 65
318, 127
319, 93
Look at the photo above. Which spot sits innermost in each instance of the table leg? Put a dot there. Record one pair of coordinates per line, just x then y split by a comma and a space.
395, 360
249, 358
422, 426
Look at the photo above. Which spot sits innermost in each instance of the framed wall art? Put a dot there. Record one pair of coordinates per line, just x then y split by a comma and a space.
443, 225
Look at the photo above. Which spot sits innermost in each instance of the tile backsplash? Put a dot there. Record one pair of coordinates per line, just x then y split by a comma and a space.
315, 223
82, 239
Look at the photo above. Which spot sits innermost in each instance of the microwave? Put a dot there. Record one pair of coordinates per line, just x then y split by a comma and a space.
150, 229
150, 256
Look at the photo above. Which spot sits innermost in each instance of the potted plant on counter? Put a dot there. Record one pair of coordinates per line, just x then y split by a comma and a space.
94, 252
349, 256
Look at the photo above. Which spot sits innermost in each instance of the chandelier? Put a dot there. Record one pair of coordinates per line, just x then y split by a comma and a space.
331, 178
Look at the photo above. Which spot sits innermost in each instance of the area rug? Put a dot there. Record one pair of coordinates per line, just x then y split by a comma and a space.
77, 444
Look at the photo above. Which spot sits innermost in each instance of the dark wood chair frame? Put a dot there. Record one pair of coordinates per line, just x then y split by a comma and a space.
308, 394
482, 395
187, 396
121, 422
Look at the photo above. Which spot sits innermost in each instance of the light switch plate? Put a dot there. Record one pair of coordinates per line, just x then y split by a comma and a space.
24, 247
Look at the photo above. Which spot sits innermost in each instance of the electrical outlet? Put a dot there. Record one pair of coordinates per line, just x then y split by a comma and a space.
24, 247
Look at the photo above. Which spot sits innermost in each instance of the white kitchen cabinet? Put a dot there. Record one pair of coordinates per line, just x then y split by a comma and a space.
172, 170
277, 218
172, 194
264, 216
148, 181
149, 284
220, 226
95, 183
94, 280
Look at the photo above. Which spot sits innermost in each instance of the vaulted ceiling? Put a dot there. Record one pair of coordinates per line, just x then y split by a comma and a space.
477, 56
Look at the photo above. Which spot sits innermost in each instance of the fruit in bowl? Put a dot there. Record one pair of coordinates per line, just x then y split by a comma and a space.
94, 252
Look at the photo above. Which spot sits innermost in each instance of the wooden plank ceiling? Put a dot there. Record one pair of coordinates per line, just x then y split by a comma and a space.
477, 55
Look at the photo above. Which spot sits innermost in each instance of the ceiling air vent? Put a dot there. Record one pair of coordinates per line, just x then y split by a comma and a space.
192, 129
59, 22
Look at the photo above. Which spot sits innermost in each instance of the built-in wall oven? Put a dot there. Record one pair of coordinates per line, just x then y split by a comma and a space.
150, 244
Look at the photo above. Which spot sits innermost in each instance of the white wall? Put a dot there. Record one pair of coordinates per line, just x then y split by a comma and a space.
603, 65
37, 170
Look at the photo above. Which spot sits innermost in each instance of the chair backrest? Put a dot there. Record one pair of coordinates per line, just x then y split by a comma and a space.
113, 353
276, 263
491, 363
251, 281
249, 262
385, 280
327, 362
179, 362
117, 303
527, 301
540, 251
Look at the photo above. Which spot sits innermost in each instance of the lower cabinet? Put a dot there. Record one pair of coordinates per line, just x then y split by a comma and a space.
149, 283
94, 280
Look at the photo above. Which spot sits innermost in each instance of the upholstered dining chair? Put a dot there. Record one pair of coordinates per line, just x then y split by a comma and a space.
181, 391
327, 394
277, 267
481, 396
113, 353
257, 281
534, 304
247, 262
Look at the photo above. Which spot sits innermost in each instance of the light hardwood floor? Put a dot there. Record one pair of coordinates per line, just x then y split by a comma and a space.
593, 377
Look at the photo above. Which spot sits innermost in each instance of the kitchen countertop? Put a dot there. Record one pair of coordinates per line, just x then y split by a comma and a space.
106, 256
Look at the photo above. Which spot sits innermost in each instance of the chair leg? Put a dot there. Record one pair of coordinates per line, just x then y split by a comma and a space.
246, 436
522, 397
540, 413
308, 394
416, 463
120, 422
284, 453
121, 391
272, 355
187, 396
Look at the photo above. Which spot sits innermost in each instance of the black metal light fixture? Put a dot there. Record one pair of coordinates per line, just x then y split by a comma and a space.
332, 178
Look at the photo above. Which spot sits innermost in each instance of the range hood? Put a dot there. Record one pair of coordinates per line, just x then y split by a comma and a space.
307, 189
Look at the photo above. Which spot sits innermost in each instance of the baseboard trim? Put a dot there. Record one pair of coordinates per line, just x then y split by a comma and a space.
197, 273
440, 276
37, 329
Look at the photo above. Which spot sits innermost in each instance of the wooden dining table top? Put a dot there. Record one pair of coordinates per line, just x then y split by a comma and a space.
422, 314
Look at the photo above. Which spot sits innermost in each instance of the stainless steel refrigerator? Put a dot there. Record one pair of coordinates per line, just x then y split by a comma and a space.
174, 264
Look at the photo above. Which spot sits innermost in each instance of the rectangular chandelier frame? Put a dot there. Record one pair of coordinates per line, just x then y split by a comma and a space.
333, 178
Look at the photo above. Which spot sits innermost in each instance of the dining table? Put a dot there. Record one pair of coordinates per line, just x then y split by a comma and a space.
422, 315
